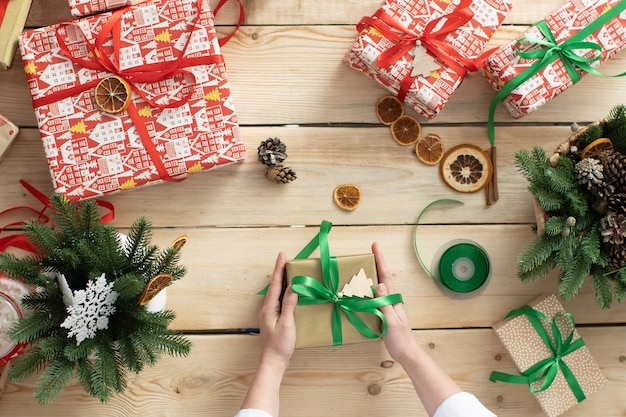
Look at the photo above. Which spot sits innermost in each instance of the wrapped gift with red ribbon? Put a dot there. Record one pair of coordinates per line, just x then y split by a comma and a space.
13, 16
79, 8
180, 119
421, 50
555, 53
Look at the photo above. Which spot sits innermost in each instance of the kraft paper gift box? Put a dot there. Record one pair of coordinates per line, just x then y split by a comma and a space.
8, 132
181, 118
336, 303
577, 373
80, 8
602, 22
13, 14
454, 31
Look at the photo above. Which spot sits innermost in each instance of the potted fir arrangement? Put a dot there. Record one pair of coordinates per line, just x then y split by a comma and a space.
580, 200
87, 316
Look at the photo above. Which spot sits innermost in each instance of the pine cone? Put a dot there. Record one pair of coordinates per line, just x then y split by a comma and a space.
280, 174
614, 164
617, 257
272, 152
613, 228
589, 173
617, 203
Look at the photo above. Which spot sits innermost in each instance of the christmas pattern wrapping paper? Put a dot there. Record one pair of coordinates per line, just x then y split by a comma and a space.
181, 118
13, 14
564, 22
526, 348
80, 8
406, 21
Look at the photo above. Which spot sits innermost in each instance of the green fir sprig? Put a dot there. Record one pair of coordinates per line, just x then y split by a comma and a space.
571, 240
82, 248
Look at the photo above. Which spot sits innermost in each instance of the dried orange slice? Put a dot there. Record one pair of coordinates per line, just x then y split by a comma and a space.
154, 286
466, 168
596, 147
179, 242
347, 196
406, 130
112, 94
429, 149
389, 109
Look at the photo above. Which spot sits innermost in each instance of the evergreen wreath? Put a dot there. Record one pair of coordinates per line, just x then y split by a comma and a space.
93, 327
582, 197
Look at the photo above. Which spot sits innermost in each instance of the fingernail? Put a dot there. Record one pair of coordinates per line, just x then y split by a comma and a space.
382, 290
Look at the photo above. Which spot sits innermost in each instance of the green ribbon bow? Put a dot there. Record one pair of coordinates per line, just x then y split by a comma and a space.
313, 292
568, 52
545, 371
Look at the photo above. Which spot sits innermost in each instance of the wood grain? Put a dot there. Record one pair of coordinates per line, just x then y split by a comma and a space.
288, 81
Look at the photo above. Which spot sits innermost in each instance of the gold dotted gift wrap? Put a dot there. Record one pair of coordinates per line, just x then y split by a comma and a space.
526, 348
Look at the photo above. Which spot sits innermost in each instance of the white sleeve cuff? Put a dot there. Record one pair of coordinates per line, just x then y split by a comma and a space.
251, 412
462, 404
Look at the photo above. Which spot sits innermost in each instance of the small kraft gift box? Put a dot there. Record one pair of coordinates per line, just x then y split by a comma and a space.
421, 50
13, 14
336, 303
132, 97
553, 360
554, 54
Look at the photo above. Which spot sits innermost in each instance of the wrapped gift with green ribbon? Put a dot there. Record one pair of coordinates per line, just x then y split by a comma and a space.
553, 360
553, 54
336, 303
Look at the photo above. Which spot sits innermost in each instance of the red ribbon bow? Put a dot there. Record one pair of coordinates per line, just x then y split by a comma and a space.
139, 78
433, 40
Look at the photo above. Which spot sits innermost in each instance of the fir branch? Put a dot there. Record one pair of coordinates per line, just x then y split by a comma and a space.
27, 364
105, 375
573, 274
59, 373
603, 290
32, 327
85, 372
22, 269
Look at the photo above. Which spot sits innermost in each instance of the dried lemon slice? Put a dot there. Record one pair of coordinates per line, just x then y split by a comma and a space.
406, 130
112, 94
429, 149
466, 168
389, 109
347, 196
596, 147
179, 242
154, 286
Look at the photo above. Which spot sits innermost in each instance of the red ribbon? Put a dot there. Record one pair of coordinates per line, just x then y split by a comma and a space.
4, 5
222, 41
432, 40
149, 73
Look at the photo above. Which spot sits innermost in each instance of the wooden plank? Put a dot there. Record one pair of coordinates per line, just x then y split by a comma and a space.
322, 90
228, 266
339, 381
327, 12
395, 184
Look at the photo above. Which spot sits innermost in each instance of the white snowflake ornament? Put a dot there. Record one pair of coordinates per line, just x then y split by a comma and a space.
90, 309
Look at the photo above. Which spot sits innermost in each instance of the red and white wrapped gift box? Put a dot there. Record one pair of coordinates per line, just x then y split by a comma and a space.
409, 19
182, 123
564, 22
80, 8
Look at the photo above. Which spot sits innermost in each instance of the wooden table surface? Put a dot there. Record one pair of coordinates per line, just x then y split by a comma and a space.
288, 81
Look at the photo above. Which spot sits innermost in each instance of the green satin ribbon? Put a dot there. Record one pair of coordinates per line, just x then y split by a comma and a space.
545, 371
312, 292
566, 52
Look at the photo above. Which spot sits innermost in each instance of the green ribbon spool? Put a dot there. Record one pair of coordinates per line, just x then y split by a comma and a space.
541, 375
461, 268
569, 52
311, 292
